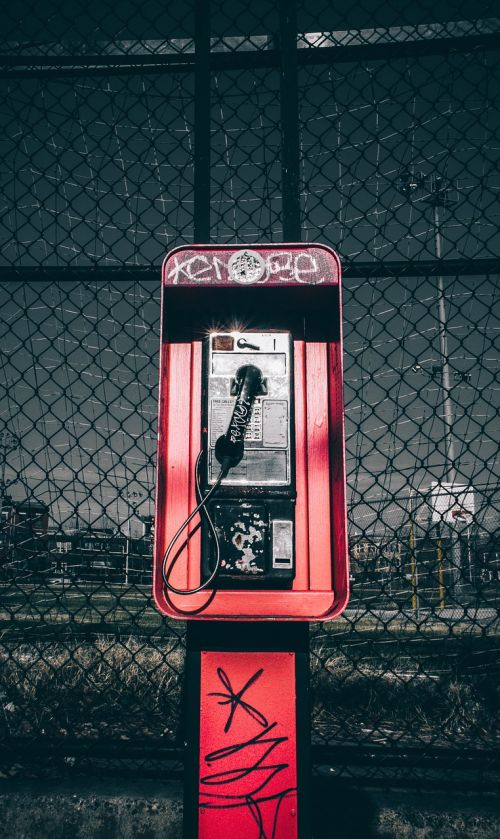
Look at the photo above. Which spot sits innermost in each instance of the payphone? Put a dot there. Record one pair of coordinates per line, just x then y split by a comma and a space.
250, 510
248, 416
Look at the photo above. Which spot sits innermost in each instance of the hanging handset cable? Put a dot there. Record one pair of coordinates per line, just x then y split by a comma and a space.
202, 509
229, 450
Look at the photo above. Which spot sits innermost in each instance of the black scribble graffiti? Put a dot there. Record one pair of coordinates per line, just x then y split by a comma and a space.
255, 769
233, 775
235, 700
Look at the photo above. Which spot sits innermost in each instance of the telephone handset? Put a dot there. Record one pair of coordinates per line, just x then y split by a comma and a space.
248, 421
229, 448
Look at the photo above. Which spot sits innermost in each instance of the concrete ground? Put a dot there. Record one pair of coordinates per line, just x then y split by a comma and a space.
83, 809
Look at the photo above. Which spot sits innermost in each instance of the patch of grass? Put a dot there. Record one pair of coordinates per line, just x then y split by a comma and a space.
107, 687
397, 698
373, 687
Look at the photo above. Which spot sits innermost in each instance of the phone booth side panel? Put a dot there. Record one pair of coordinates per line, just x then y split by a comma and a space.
319, 503
301, 581
194, 543
338, 474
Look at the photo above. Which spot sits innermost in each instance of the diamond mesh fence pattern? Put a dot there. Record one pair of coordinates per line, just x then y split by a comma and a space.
96, 170
397, 160
415, 153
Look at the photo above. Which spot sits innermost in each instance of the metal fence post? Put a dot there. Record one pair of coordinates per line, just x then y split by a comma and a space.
289, 121
202, 122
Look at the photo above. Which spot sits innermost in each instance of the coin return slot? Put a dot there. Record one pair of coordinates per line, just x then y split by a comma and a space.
282, 543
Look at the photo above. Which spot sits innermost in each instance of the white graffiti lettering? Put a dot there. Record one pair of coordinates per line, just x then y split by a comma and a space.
238, 420
187, 269
284, 266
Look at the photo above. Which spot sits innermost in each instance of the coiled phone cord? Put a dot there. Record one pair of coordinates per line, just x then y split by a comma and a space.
201, 508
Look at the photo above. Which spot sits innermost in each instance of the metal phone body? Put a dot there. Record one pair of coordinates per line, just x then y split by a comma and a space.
253, 508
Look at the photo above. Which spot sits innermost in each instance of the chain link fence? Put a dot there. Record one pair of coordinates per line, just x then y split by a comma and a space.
373, 129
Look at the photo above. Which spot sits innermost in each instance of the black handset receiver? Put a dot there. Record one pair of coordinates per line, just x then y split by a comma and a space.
230, 447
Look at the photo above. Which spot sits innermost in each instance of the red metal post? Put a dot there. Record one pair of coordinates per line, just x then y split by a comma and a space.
248, 752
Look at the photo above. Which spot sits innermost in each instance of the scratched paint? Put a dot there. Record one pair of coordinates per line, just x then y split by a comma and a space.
248, 776
243, 540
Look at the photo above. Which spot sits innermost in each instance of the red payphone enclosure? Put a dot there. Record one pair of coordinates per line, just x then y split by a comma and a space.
297, 288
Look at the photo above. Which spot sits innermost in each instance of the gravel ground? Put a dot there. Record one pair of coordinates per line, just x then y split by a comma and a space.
125, 810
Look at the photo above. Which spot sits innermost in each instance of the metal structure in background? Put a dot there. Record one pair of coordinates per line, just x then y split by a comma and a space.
127, 132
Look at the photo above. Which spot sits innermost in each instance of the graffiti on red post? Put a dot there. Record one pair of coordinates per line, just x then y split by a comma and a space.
248, 775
